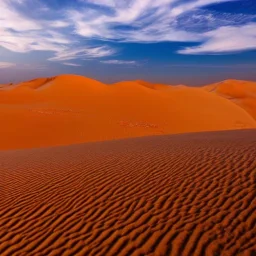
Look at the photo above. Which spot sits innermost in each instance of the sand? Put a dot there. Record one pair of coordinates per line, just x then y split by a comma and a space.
71, 109
185, 194
242, 93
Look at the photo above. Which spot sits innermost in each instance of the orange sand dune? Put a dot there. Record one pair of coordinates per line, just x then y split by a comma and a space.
3, 86
71, 109
243, 93
152, 86
180, 195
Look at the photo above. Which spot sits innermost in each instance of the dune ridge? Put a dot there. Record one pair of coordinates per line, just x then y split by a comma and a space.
186, 194
242, 93
70, 109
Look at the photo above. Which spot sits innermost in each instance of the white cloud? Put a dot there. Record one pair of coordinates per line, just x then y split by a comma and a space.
83, 53
33, 41
59, 24
140, 21
149, 21
7, 65
12, 19
71, 64
31, 66
226, 39
21, 33
108, 3
186, 7
36, 66
120, 62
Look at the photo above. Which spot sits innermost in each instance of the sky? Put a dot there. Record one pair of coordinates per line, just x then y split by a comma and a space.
191, 42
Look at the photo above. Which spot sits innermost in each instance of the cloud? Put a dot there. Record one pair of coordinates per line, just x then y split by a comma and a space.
108, 3
34, 66
148, 21
143, 21
71, 64
22, 33
85, 29
225, 40
12, 19
16, 66
83, 53
7, 65
120, 62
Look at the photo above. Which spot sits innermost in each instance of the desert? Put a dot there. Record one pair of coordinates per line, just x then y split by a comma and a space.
70, 109
127, 169
184, 194
127, 128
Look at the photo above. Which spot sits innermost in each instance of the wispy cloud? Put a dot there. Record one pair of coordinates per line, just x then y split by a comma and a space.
33, 66
138, 20
71, 64
120, 62
22, 33
70, 33
226, 39
148, 21
17, 66
83, 53
7, 65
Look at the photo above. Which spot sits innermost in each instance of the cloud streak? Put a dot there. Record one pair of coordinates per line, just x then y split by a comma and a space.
72, 64
6, 65
83, 53
120, 62
225, 40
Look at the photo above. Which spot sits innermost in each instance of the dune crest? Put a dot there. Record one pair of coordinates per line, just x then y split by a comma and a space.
242, 93
70, 109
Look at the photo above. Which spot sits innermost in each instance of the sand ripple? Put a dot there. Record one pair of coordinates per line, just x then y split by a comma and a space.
190, 194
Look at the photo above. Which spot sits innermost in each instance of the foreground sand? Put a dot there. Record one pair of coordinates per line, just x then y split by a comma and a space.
189, 194
71, 109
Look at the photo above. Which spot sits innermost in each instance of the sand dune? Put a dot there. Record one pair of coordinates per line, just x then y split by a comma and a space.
243, 93
151, 85
72, 109
187, 194
182, 194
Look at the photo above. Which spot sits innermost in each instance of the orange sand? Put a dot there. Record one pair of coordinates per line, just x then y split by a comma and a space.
72, 109
243, 93
180, 195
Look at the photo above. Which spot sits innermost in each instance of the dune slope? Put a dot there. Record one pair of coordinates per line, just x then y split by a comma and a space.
189, 194
71, 109
242, 93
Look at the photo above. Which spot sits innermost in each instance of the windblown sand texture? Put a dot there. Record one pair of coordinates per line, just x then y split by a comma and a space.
181, 195
71, 109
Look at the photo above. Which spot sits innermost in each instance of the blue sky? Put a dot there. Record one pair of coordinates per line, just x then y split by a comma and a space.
192, 42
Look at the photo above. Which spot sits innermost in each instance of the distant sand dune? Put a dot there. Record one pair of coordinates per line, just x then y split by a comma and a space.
71, 109
180, 195
243, 93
